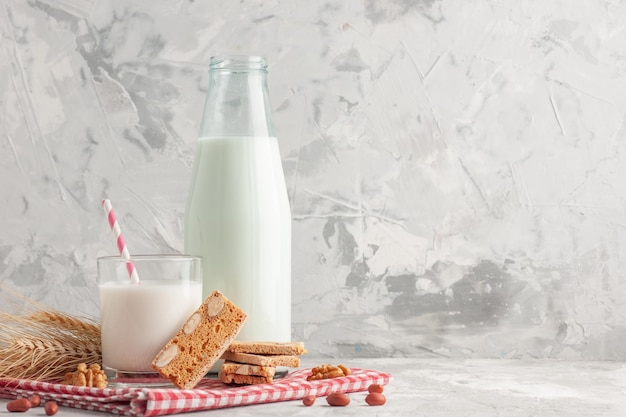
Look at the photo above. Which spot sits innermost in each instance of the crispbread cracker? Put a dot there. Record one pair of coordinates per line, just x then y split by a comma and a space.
267, 348
247, 369
206, 334
244, 379
272, 360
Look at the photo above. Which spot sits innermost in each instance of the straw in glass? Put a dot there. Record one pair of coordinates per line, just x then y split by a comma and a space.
121, 244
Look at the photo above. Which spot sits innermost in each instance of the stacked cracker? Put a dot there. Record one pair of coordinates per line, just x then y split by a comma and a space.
256, 362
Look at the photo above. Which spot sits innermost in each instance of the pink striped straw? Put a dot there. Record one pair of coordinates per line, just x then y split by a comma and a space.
121, 245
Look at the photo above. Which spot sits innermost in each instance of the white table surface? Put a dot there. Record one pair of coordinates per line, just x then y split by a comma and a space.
458, 387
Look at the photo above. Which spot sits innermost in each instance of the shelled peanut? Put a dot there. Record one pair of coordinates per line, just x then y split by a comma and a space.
21, 405
374, 397
51, 408
18, 406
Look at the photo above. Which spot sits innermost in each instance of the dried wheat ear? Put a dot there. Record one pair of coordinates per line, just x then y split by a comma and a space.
42, 343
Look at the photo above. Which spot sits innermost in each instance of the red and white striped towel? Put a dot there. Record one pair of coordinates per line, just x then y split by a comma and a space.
209, 394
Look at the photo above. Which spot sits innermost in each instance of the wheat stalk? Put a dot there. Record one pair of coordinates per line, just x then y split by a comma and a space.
43, 343
66, 322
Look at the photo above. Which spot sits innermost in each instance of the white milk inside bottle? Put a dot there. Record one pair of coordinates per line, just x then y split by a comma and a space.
238, 217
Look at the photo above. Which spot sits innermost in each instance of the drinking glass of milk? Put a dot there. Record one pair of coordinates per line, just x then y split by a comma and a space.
138, 318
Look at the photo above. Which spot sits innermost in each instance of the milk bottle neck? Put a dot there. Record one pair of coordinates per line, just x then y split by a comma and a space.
237, 101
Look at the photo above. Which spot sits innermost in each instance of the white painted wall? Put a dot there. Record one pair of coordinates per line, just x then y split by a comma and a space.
456, 168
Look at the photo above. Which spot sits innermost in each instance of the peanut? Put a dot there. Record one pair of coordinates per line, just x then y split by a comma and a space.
375, 398
35, 401
338, 399
308, 400
375, 388
51, 408
18, 406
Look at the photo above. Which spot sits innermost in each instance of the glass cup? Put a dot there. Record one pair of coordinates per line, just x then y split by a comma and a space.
138, 319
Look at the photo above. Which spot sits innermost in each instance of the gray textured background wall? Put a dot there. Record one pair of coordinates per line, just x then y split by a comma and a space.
456, 169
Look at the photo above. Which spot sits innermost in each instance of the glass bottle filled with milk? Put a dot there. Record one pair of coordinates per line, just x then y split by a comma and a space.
238, 217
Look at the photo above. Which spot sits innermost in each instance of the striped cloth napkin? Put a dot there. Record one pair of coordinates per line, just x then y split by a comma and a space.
209, 394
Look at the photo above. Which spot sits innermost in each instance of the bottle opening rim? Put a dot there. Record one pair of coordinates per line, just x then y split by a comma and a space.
237, 63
